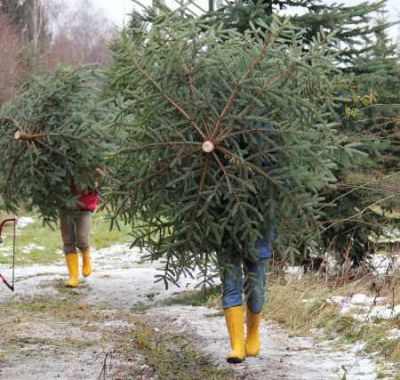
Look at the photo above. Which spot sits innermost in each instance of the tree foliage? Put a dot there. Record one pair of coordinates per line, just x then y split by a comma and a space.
223, 136
49, 137
353, 25
367, 110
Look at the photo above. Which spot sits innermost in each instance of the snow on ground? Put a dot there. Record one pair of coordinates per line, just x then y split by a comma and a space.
281, 357
364, 307
24, 221
120, 280
31, 247
385, 263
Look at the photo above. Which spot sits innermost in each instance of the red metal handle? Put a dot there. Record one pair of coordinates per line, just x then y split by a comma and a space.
2, 278
7, 221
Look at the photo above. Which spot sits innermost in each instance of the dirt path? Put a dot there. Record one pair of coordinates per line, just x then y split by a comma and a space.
118, 287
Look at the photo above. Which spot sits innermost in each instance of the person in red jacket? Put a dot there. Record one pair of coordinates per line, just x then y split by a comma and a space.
75, 230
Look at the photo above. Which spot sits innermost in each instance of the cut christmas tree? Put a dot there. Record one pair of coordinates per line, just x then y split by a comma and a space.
48, 140
368, 109
226, 137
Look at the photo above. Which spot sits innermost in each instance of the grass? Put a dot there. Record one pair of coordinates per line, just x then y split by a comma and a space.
39, 244
127, 336
210, 297
299, 305
102, 236
302, 305
172, 356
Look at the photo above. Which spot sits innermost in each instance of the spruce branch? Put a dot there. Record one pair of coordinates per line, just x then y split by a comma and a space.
239, 84
167, 97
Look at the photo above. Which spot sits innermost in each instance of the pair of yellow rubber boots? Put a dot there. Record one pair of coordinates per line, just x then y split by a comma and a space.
235, 324
71, 259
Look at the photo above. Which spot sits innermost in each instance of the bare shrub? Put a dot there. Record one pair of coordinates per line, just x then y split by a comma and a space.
81, 34
10, 47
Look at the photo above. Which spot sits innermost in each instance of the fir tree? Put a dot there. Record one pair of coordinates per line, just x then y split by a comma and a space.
353, 25
367, 61
370, 117
223, 134
48, 139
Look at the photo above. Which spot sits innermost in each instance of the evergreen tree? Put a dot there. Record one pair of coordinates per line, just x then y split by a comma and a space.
49, 139
368, 110
353, 25
371, 118
223, 135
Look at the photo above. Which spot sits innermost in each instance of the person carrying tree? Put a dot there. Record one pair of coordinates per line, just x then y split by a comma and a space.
75, 230
243, 273
242, 269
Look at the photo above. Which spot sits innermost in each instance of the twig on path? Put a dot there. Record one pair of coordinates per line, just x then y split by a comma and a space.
103, 373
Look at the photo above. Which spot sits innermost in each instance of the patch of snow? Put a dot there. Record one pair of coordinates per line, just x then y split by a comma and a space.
32, 246
393, 334
384, 263
362, 307
294, 272
362, 299
384, 312
23, 221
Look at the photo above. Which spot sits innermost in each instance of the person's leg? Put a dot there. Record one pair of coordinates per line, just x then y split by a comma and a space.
232, 283
82, 240
67, 228
255, 298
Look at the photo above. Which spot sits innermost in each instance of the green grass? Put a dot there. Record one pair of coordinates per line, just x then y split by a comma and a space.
48, 244
102, 237
172, 356
197, 297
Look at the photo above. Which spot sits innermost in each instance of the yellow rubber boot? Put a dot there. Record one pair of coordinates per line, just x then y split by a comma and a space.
86, 265
253, 338
234, 322
71, 259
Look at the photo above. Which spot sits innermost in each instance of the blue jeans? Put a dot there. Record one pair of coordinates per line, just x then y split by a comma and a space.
240, 274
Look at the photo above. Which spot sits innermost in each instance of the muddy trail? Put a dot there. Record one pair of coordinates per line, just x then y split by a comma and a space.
121, 325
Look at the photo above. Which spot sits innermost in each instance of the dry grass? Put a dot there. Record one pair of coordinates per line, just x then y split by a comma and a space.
301, 305
133, 348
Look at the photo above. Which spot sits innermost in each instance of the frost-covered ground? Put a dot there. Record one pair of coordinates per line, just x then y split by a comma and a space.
364, 307
121, 281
